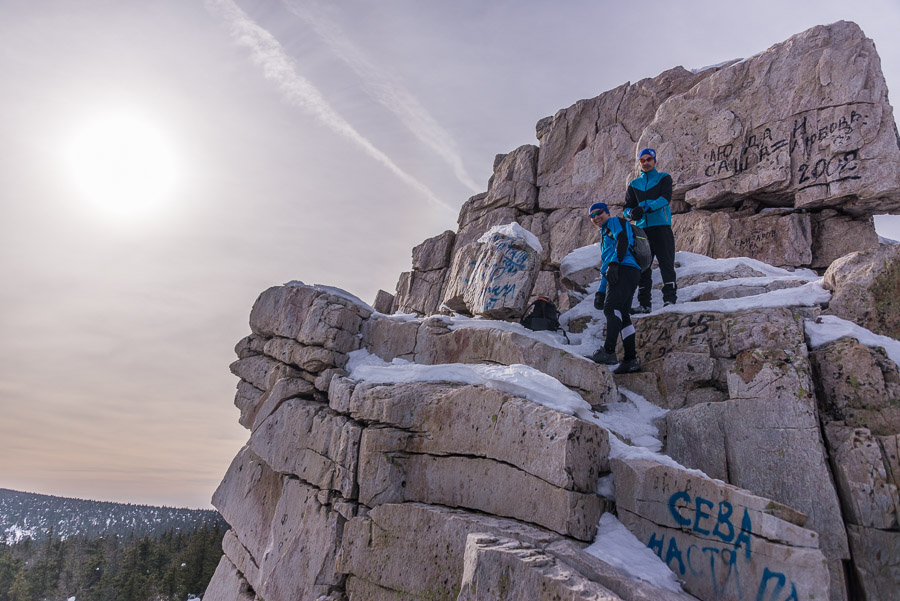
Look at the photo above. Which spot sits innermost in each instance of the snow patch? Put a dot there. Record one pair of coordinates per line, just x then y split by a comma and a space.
808, 295
716, 66
513, 230
519, 380
339, 292
828, 328
582, 258
618, 547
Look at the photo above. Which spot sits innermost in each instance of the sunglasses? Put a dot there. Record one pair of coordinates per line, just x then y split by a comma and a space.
647, 160
597, 214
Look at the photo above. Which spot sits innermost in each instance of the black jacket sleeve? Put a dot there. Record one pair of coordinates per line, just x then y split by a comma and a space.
665, 187
622, 244
631, 198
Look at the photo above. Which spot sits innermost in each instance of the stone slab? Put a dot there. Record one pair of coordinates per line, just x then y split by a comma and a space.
445, 419
438, 344
418, 549
724, 542
308, 440
502, 568
389, 474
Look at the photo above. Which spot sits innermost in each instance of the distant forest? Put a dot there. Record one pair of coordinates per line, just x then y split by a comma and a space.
174, 566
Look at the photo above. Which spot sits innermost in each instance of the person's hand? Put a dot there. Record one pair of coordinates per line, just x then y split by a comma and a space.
636, 213
599, 300
612, 273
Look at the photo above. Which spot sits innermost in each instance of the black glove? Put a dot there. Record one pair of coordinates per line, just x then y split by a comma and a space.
599, 300
636, 213
612, 273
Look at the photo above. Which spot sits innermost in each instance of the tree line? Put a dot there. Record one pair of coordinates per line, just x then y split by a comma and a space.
173, 566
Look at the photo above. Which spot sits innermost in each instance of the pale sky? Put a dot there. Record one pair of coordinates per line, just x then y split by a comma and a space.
281, 140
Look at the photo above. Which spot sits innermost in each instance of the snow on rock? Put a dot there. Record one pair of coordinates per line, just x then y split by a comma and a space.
617, 546
520, 380
582, 258
513, 230
808, 295
828, 328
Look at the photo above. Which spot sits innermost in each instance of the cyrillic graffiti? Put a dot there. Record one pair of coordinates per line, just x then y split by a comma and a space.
802, 144
689, 329
722, 566
510, 262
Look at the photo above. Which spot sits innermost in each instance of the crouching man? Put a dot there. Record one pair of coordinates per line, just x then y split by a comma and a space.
620, 276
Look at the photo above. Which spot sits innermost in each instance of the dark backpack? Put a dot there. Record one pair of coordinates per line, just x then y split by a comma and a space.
541, 315
640, 248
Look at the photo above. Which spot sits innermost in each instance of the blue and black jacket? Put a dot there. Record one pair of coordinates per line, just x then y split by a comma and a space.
652, 191
617, 246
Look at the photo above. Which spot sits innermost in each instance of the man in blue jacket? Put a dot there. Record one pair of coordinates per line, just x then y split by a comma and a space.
647, 204
620, 274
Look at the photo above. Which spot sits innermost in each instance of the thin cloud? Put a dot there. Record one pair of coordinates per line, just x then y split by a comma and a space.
277, 66
385, 90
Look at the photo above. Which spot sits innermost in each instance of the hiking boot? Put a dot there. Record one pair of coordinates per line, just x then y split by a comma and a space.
640, 310
603, 357
627, 367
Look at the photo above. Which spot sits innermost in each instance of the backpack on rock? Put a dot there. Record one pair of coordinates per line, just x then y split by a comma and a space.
541, 315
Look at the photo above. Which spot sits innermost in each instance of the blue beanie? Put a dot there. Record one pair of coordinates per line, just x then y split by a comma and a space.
598, 206
649, 151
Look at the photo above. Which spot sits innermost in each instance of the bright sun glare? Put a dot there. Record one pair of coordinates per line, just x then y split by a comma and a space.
123, 165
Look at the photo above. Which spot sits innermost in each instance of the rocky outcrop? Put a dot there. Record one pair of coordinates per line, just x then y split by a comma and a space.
783, 157
458, 489
805, 124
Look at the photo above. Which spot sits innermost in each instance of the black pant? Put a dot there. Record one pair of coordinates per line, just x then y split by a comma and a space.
617, 310
662, 246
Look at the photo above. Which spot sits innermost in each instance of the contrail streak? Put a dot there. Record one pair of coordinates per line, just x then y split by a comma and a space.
277, 66
386, 91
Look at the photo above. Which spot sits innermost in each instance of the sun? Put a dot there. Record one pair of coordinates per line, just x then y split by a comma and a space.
123, 165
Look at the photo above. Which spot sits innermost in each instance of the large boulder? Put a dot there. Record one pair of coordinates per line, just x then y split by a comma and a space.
504, 273
504, 568
390, 473
452, 419
870, 496
480, 449
865, 289
434, 253
806, 124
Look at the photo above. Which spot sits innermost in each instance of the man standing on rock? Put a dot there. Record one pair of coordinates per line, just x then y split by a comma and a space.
620, 274
647, 204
